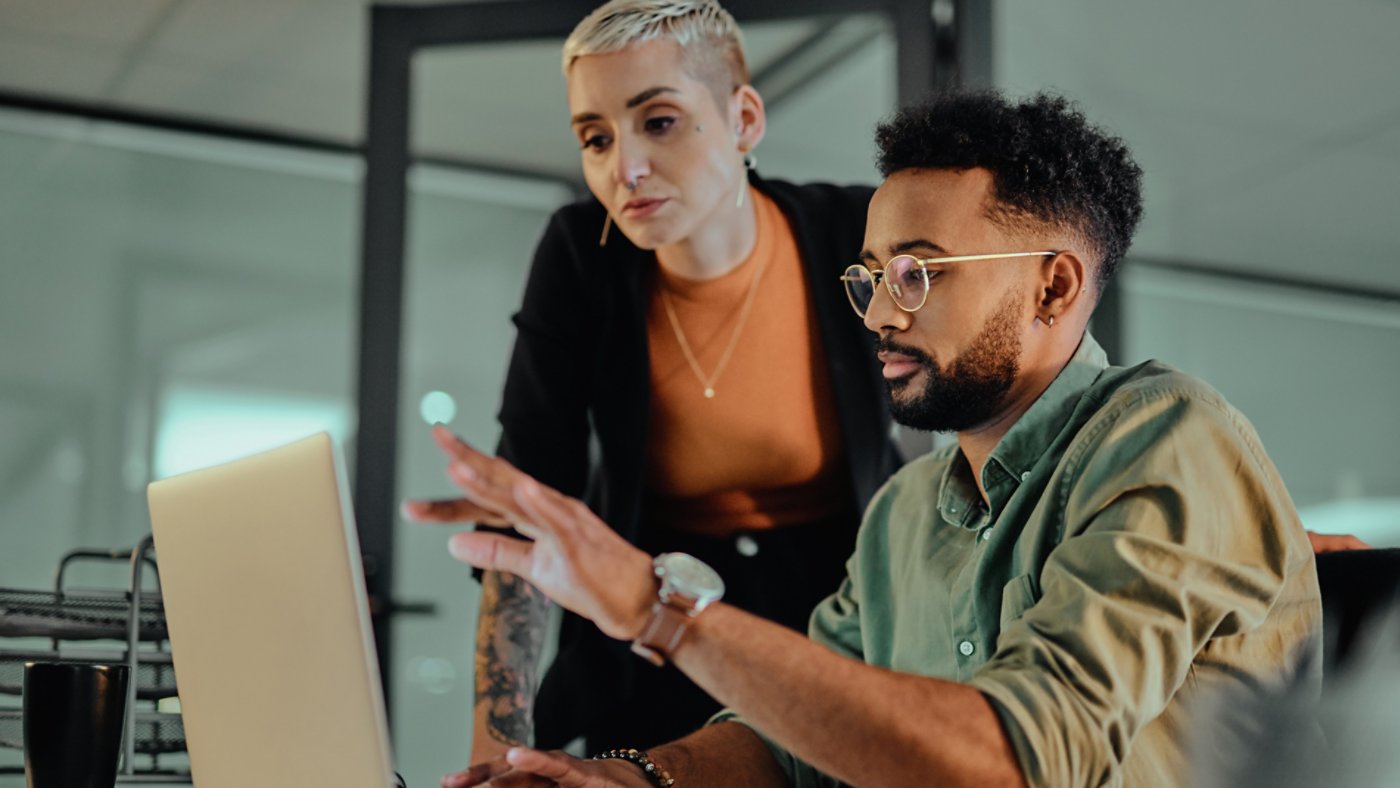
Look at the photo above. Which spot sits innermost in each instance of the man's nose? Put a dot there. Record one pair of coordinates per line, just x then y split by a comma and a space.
882, 315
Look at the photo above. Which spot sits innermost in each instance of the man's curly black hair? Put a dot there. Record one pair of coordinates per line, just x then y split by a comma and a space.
1048, 163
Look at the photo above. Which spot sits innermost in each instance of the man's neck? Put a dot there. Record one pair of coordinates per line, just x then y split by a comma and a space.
718, 247
978, 442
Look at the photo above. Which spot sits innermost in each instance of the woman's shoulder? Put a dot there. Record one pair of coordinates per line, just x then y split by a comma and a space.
819, 198
575, 217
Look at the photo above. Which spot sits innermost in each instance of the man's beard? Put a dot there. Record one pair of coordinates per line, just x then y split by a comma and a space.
972, 389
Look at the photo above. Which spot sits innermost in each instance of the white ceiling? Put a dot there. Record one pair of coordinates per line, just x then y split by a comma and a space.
1269, 129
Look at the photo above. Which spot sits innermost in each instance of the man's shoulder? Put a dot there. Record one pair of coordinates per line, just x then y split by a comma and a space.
1141, 406
1151, 384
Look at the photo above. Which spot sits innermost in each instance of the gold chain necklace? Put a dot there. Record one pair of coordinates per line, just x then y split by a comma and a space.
709, 382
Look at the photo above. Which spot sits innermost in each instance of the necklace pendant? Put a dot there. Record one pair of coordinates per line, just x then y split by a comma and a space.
709, 393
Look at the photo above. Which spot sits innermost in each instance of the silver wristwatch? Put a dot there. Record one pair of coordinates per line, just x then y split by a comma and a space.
687, 586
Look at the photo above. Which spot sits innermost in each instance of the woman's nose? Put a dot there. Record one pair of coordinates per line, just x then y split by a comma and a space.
632, 163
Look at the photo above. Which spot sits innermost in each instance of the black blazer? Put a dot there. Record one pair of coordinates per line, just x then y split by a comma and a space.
580, 369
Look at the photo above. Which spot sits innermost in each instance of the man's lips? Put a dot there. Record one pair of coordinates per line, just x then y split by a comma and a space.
897, 365
640, 207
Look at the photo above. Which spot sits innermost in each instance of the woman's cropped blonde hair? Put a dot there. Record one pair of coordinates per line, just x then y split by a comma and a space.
708, 36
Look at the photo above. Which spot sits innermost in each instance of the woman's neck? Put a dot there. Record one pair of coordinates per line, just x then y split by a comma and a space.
718, 247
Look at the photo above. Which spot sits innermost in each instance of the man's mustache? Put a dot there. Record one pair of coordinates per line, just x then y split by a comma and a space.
886, 345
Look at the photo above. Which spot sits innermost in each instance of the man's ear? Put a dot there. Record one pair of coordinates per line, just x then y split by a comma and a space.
748, 117
1065, 287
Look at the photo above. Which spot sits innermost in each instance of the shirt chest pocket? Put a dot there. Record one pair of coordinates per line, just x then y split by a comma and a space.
1017, 596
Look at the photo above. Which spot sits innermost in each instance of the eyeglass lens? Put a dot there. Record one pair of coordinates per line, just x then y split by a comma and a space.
906, 279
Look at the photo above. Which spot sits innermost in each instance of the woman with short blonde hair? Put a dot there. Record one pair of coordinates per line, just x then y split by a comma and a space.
686, 327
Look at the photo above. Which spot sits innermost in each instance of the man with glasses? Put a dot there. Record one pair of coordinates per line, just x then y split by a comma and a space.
1040, 603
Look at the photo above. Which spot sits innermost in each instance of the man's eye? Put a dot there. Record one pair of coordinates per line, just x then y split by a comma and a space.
915, 277
660, 124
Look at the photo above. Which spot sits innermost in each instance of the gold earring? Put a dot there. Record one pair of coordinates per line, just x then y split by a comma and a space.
749, 164
607, 225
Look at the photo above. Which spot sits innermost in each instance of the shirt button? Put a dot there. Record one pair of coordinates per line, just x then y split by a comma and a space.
986, 534
966, 648
1026, 475
746, 546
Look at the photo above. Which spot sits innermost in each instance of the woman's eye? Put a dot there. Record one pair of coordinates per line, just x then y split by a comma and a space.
660, 124
596, 142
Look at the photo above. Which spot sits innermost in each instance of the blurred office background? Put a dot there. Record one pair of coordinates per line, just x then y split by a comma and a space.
180, 197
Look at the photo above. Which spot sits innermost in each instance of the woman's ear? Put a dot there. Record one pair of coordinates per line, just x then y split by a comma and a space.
748, 117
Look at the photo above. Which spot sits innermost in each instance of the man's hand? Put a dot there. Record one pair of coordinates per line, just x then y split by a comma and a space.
485, 751
569, 554
526, 768
1327, 543
449, 510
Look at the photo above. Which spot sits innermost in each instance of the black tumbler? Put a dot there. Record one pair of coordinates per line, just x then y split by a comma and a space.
73, 715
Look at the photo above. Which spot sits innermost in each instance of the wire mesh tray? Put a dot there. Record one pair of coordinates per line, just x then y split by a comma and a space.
155, 675
77, 616
156, 733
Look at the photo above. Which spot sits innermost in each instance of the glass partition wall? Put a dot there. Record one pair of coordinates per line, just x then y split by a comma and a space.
168, 302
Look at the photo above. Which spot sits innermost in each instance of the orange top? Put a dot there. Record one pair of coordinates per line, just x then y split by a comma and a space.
765, 451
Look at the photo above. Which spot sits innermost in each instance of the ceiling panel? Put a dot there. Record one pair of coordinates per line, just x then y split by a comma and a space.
75, 24
1254, 118
272, 64
42, 66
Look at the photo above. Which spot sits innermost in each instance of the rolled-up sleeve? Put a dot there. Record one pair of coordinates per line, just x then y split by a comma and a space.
1177, 536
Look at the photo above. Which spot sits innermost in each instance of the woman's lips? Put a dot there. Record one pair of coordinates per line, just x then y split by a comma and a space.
642, 207
897, 365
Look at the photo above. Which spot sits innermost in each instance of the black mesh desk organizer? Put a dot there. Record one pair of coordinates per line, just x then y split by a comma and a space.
121, 626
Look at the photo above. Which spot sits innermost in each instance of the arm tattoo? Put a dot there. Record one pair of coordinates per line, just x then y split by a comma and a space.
508, 640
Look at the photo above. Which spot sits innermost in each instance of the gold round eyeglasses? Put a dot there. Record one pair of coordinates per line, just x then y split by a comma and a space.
906, 278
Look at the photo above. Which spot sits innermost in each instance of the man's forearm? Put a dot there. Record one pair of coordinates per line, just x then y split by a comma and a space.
858, 723
720, 756
509, 635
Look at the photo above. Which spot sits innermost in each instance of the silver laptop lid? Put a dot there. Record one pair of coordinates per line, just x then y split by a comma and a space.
269, 624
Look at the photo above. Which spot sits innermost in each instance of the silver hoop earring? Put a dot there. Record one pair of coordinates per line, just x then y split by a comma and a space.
1050, 322
607, 225
750, 163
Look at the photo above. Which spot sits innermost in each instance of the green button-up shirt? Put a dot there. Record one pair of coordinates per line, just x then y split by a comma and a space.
1137, 549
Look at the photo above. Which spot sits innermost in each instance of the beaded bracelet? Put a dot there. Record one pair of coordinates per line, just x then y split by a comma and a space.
658, 776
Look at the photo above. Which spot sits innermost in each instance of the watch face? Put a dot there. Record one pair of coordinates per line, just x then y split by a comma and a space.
689, 577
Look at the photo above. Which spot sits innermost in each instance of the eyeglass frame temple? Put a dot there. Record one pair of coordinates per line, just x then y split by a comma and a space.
923, 263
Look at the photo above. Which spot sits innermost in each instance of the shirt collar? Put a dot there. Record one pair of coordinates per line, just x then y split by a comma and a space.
1021, 448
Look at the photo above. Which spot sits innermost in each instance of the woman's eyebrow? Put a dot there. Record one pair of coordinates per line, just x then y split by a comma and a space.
648, 95
632, 103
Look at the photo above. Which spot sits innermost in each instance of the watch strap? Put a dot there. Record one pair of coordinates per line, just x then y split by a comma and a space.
662, 634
